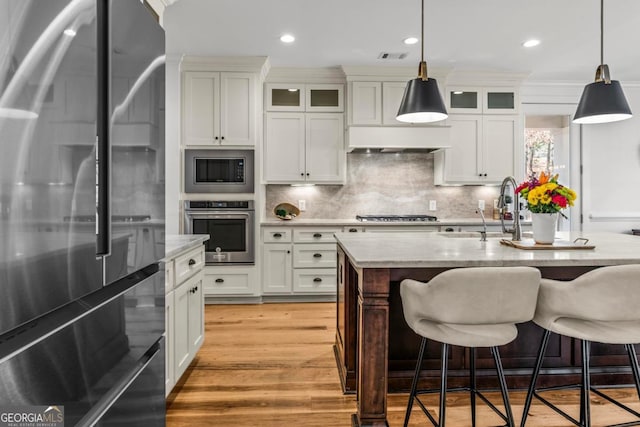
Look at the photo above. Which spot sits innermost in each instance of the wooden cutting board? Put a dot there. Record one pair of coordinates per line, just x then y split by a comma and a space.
530, 244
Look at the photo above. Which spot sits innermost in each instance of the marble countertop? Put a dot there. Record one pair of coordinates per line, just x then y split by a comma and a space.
178, 243
301, 222
432, 250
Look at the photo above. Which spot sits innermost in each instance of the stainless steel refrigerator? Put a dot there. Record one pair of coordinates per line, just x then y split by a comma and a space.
81, 212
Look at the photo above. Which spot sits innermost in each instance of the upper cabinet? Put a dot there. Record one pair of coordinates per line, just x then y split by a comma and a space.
304, 97
482, 100
218, 108
304, 148
375, 103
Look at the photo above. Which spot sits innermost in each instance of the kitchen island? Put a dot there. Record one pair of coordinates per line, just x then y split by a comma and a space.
376, 350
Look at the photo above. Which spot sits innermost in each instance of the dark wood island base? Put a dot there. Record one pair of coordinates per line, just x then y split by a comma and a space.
376, 350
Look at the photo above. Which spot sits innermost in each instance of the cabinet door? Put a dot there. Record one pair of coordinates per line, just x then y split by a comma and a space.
392, 93
325, 98
325, 155
169, 346
196, 315
366, 103
500, 100
284, 147
463, 99
461, 160
277, 268
237, 109
200, 108
181, 329
499, 137
285, 97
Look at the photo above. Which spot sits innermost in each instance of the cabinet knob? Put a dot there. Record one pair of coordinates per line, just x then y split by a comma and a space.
317, 255
307, 173
288, 251
301, 173
219, 280
216, 138
222, 138
317, 279
277, 235
485, 174
317, 235
192, 261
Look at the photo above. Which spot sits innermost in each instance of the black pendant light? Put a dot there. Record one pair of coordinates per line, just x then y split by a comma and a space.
422, 101
602, 101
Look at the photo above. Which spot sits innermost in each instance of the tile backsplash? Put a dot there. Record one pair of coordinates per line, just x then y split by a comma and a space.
384, 183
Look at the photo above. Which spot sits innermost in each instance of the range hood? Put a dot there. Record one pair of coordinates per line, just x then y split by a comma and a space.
397, 138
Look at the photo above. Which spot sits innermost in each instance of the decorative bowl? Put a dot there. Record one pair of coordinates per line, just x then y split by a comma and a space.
286, 211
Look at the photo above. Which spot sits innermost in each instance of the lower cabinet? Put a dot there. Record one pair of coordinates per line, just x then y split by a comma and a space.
299, 261
184, 312
229, 280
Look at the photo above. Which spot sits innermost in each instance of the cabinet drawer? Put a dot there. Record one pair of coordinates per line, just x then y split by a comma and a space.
315, 235
226, 283
314, 256
315, 280
276, 235
169, 277
188, 264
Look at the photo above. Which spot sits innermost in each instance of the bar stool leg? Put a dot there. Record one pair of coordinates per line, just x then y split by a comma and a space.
503, 386
472, 381
633, 361
585, 410
534, 376
443, 383
414, 384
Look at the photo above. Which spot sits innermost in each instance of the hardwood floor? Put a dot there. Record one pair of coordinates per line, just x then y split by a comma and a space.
272, 365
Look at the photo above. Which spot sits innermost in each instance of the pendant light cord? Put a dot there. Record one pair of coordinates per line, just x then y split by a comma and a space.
601, 32
422, 35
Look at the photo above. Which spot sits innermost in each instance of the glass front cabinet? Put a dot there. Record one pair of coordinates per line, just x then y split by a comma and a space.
304, 97
482, 100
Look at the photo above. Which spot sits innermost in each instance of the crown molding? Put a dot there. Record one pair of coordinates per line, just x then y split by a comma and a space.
305, 75
250, 64
389, 73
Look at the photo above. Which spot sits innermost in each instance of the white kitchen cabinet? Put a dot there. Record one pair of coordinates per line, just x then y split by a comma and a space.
326, 98
375, 103
303, 147
299, 260
482, 100
188, 322
482, 150
184, 312
229, 280
218, 108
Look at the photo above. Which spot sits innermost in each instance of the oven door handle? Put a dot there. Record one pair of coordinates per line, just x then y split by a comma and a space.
210, 215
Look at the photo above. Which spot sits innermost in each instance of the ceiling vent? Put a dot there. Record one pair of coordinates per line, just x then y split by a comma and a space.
392, 55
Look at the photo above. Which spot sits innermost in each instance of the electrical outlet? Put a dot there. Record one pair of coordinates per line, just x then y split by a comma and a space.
432, 205
481, 205
302, 205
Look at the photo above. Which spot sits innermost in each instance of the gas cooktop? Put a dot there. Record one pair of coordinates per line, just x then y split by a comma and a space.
396, 218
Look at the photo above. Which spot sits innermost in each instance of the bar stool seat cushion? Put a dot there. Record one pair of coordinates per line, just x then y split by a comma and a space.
467, 335
601, 305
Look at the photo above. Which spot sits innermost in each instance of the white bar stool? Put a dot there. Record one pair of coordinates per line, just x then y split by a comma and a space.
602, 305
469, 307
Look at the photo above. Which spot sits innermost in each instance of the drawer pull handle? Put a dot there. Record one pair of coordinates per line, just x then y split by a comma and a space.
317, 279
317, 235
192, 261
317, 255
353, 230
219, 280
277, 235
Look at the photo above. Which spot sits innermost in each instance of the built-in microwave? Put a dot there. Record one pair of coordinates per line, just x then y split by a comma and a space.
218, 171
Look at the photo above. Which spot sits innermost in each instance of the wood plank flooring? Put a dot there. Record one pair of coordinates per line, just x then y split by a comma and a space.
272, 365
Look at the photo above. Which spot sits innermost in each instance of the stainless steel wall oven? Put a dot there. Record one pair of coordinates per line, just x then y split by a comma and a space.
230, 225
218, 171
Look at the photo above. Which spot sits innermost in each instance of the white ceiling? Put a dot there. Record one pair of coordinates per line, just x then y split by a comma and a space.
460, 34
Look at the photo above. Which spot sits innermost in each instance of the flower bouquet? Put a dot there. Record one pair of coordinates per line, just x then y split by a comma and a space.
545, 200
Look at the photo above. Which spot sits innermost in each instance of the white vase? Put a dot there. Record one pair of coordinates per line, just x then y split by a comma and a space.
544, 227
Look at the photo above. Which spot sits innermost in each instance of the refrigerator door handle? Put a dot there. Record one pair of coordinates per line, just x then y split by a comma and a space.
103, 143
109, 398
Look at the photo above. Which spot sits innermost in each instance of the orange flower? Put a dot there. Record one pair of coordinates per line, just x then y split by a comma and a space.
543, 178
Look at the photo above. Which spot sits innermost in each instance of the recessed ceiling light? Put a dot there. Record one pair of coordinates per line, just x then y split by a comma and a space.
531, 43
287, 38
410, 40
69, 32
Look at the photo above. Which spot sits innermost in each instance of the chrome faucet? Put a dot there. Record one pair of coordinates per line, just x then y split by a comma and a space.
483, 233
516, 231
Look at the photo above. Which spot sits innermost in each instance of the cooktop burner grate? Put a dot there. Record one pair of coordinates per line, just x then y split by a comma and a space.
396, 218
